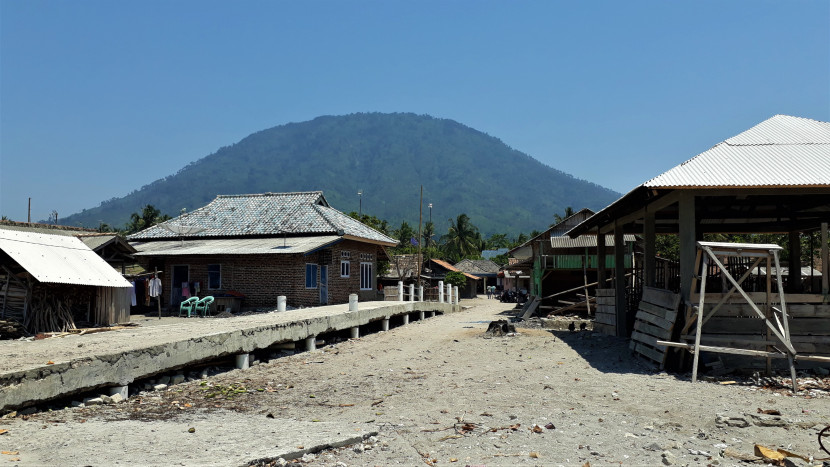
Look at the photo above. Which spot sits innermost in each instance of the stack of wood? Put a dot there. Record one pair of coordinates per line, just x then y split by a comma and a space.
49, 313
11, 329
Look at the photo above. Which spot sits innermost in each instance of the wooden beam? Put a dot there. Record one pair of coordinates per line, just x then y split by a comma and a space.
825, 261
794, 270
688, 248
650, 252
601, 271
619, 280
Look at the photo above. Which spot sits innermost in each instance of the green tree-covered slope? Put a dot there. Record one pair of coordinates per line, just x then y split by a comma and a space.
388, 156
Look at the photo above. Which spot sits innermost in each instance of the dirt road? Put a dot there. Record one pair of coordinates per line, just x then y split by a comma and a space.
439, 392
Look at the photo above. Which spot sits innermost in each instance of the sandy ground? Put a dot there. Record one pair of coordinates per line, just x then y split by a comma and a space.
436, 392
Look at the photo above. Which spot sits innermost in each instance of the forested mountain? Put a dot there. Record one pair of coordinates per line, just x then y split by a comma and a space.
388, 157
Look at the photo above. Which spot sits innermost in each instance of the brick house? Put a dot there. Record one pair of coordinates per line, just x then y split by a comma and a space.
263, 246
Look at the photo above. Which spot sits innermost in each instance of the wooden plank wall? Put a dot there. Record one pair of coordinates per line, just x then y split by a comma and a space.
605, 319
112, 306
736, 325
654, 321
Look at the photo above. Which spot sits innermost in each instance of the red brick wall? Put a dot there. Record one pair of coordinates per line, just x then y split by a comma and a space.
262, 278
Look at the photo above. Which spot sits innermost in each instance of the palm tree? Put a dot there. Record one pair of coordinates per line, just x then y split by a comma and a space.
149, 217
427, 233
462, 239
569, 211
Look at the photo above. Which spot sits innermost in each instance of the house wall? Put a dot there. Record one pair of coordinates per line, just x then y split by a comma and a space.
262, 278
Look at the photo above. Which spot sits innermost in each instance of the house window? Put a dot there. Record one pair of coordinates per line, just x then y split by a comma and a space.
311, 276
214, 276
365, 276
345, 268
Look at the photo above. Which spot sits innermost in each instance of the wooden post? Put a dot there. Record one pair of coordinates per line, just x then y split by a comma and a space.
703, 270
768, 312
158, 298
585, 280
794, 273
785, 320
601, 273
686, 232
619, 280
650, 252
825, 262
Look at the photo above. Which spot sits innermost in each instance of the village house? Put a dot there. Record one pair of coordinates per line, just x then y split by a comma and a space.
486, 270
437, 269
251, 249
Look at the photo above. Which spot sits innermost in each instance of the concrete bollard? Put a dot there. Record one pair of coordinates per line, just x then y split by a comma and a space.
353, 302
432, 314
449, 293
385, 324
243, 361
355, 332
280, 303
311, 343
420, 293
440, 291
411, 292
400, 291
421, 316
455, 295
123, 391
406, 319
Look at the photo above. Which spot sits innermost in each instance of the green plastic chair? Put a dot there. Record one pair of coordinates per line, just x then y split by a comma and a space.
203, 306
188, 305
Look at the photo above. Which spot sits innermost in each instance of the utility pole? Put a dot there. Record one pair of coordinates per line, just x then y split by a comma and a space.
360, 209
420, 221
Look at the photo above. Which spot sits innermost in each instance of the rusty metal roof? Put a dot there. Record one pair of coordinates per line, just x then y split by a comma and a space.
59, 259
265, 214
782, 151
586, 241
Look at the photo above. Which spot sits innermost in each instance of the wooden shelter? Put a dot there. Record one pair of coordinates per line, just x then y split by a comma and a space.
772, 178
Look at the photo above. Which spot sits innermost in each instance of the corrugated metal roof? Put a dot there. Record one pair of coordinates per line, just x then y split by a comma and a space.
450, 267
244, 246
301, 213
59, 259
586, 241
782, 151
477, 266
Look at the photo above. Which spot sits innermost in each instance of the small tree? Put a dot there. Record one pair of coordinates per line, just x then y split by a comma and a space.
455, 278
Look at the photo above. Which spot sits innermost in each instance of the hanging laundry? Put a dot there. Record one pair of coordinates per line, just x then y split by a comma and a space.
155, 287
146, 284
132, 293
196, 288
185, 290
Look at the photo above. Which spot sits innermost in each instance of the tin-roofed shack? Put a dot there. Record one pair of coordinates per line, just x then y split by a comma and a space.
51, 281
772, 178
261, 246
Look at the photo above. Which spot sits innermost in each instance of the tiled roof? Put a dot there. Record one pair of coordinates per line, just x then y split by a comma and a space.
266, 214
477, 266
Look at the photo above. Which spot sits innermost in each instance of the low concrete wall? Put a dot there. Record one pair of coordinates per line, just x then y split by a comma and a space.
30, 386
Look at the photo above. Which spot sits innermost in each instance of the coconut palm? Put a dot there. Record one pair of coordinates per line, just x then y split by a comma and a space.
462, 239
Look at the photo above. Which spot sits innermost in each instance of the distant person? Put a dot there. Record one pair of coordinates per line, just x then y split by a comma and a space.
489, 292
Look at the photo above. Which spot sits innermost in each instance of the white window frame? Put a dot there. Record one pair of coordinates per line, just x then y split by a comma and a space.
220, 277
366, 270
314, 276
345, 268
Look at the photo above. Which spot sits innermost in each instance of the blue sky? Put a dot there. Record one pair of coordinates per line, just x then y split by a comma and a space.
98, 98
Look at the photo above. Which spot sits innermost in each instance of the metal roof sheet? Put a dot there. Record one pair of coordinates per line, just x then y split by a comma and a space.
782, 151
244, 246
301, 213
59, 259
586, 241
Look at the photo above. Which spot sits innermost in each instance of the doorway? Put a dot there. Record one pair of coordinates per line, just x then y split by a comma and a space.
324, 285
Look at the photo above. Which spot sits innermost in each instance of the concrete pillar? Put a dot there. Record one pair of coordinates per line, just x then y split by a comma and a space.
406, 319
412, 292
601, 271
123, 391
449, 293
432, 314
311, 343
243, 361
421, 315
420, 293
455, 295
400, 291
440, 291
280, 303
353, 302
385, 324
355, 332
